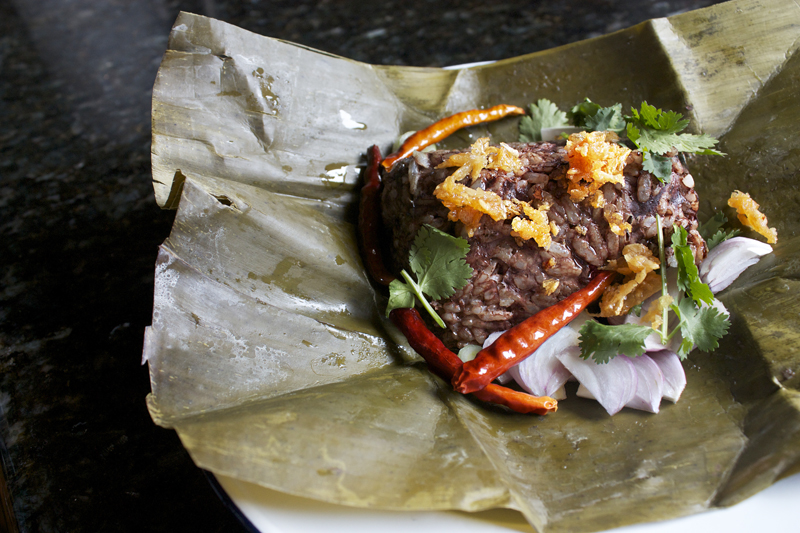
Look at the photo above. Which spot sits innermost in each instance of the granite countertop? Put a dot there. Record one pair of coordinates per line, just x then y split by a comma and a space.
79, 228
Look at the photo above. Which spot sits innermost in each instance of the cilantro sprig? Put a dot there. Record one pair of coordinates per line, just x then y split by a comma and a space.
712, 232
656, 133
594, 117
652, 131
543, 114
700, 327
438, 262
688, 275
699, 323
602, 342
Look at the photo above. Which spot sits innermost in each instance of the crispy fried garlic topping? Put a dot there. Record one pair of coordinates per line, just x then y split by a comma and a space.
637, 264
750, 216
467, 204
594, 160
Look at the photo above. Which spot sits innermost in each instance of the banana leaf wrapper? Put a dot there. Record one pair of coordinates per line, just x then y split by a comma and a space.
269, 353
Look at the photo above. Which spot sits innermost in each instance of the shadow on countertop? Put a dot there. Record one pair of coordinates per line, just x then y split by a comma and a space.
79, 228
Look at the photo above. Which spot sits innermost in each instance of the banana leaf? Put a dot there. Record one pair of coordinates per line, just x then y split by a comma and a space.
269, 352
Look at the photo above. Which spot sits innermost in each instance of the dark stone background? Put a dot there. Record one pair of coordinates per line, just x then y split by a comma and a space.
79, 227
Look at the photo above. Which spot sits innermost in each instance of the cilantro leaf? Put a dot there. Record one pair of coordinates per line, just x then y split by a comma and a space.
580, 112
438, 261
688, 274
633, 133
680, 237
712, 225
667, 122
701, 327
684, 349
658, 165
401, 295
596, 118
721, 236
713, 233
607, 119
602, 342
656, 133
544, 114
660, 142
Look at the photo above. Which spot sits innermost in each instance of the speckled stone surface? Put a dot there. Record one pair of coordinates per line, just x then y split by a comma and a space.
79, 227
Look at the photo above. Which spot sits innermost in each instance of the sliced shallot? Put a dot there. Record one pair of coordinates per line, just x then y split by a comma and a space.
729, 259
468, 352
674, 375
613, 384
542, 374
650, 384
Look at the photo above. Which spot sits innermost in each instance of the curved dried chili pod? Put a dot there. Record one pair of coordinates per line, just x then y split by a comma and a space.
445, 364
518, 401
441, 361
523, 339
443, 128
369, 219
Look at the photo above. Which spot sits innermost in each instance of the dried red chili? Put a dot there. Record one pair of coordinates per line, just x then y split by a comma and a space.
369, 219
446, 126
523, 339
520, 402
441, 361
445, 364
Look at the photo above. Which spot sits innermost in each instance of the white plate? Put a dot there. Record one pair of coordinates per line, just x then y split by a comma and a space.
273, 512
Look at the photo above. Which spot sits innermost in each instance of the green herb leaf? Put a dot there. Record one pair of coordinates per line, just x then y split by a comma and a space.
580, 112
660, 143
721, 236
653, 118
607, 119
593, 117
438, 261
401, 296
684, 349
658, 165
688, 274
656, 132
701, 327
713, 233
712, 225
544, 114
633, 133
602, 342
